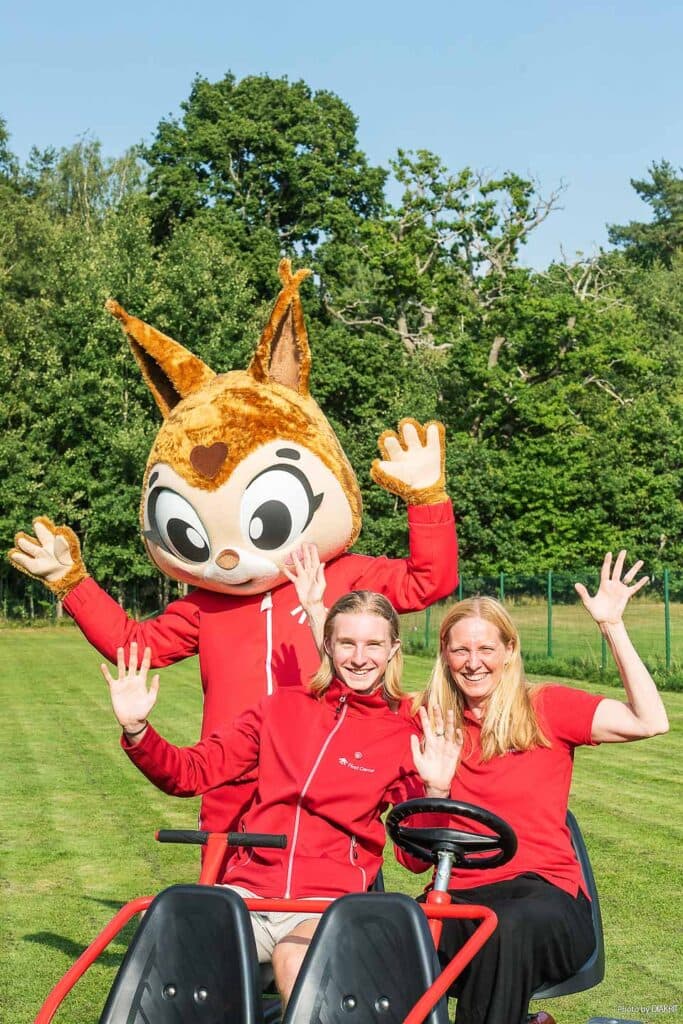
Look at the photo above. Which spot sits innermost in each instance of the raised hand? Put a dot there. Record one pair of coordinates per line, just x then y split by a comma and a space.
307, 573
52, 556
614, 592
130, 698
437, 756
413, 462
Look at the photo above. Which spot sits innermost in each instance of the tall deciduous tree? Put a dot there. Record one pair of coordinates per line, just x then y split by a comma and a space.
447, 254
278, 156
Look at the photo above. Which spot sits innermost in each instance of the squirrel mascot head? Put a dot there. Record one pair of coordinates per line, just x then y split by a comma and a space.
245, 466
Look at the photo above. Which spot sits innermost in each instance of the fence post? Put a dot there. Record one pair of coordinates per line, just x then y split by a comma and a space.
428, 612
549, 647
501, 588
667, 621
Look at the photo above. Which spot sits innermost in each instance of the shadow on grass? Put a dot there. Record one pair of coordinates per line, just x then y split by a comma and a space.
110, 957
114, 905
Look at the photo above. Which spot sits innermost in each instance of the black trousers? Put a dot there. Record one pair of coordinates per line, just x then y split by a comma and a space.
544, 935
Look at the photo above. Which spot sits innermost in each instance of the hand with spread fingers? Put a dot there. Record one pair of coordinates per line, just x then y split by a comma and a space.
130, 698
436, 756
643, 713
615, 590
53, 556
412, 464
307, 573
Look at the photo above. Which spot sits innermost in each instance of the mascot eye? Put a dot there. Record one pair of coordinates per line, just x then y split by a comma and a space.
277, 506
175, 526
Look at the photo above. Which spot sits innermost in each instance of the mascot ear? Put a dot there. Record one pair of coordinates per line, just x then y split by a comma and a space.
282, 355
170, 371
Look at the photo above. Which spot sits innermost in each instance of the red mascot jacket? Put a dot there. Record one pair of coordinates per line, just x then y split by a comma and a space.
250, 646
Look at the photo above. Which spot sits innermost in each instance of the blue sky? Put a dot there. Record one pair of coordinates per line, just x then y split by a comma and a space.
587, 93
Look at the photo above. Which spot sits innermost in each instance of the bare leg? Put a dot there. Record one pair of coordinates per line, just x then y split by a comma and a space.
288, 956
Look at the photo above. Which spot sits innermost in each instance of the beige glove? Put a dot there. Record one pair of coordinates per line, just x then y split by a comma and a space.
53, 556
413, 462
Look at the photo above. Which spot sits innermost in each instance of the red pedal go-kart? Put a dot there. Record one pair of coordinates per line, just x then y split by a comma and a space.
372, 959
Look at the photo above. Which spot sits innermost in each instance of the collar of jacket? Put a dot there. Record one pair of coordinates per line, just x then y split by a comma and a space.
357, 703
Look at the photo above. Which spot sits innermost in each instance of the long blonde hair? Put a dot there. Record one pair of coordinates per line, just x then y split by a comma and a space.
362, 602
509, 721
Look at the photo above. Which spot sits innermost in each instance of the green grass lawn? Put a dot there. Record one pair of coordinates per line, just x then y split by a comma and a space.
77, 824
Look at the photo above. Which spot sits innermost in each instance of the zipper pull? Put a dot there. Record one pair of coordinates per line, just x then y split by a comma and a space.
340, 705
354, 844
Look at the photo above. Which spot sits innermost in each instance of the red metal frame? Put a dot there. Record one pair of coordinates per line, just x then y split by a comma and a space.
89, 956
437, 908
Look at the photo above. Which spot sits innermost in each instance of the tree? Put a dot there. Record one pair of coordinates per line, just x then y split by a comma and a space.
446, 255
660, 239
276, 155
77, 182
9, 165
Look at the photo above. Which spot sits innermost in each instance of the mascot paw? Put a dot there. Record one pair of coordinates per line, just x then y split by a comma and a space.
53, 556
412, 465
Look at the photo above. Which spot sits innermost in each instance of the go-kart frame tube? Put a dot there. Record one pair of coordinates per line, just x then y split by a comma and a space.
426, 1002
437, 907
89, 956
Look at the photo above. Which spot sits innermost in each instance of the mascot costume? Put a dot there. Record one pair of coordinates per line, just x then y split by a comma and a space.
243, 470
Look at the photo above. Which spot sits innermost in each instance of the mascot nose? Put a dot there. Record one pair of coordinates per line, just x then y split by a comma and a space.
228, 559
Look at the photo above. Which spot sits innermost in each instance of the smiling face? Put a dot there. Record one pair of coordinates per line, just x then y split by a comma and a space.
360, 648
236, 538
476, 656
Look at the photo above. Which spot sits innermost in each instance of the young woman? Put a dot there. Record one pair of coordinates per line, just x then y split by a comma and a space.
517, 759
328, 761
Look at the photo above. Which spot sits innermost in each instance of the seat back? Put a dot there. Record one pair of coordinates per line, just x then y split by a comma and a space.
192, 959
593, 971
371, 958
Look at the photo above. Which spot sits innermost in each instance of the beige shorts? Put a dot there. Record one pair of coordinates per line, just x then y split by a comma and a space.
270, 927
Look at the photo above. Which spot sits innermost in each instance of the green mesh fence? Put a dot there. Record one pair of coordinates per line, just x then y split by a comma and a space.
555, 628
557, 633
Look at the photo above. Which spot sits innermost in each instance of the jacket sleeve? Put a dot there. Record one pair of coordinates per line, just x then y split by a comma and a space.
188, 771
172, 636
431, 570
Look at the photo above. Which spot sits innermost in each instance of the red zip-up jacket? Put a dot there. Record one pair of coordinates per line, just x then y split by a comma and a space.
326, 768
250, 646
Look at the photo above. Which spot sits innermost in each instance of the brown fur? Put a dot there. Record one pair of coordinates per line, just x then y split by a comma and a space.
426, 495
240, 410
76, 571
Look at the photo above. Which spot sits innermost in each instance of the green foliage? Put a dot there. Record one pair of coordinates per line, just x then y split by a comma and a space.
560, 390
661, 239
274, 153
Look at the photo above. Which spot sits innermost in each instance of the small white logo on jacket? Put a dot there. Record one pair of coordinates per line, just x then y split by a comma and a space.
345, 763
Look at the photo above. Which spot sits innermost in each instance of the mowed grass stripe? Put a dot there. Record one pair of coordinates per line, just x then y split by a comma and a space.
74, 795
68, 787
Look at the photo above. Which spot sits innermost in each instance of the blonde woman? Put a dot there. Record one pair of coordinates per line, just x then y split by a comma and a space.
516, 760
346, 743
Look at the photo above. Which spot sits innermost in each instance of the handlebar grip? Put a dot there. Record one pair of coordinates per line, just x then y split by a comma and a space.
182, 835
257, 839
194, 837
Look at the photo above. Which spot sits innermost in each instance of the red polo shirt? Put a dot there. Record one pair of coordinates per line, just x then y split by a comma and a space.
529, 789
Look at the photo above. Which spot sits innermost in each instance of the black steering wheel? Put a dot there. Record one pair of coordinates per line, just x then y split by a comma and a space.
467, 849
